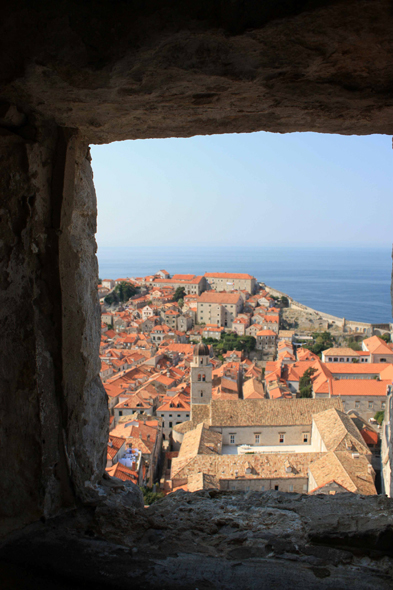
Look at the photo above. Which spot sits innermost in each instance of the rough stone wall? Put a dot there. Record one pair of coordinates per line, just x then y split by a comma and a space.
54, 414
29, 448
87, 415
116, 70
212, 540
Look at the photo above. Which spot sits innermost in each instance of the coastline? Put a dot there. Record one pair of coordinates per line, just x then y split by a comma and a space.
340, 321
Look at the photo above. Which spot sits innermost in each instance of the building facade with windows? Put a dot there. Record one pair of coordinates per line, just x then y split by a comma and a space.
329, 451
220, 309
201, 379
225, 281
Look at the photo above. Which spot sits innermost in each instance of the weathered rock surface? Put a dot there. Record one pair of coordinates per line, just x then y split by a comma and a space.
54, 414
117, 70
217, 540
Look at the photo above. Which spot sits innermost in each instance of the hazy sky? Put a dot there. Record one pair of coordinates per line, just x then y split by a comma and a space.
246, 189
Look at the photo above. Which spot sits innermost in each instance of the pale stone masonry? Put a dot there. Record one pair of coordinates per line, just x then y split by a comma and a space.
329, 457
193, 285
225, 281
219, 308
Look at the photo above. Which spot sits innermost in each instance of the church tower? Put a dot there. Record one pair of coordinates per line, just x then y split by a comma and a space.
201, 376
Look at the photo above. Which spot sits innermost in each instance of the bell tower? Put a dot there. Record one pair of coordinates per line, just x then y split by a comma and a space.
201, 376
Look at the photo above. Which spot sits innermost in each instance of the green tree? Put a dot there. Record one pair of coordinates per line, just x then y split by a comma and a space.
109, 299
321, 341
305, 383
180, 302
385, 337
379, 416
121, 293
231, 341
284, 301
149, 496
179, 293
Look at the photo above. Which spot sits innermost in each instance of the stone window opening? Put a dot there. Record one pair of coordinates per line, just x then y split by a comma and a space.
62, 275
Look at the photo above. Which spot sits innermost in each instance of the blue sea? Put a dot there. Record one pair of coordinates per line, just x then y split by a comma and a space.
347, 282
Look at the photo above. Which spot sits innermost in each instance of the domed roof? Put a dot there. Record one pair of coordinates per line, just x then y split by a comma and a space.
201, 350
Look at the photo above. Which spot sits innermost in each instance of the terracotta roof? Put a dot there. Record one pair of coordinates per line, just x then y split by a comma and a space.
356, 368
340, 351
179, 402
351, 473
376, 345
360, 387
258, 466
339, 432
193, 281
370, 437
219, 298
266, 333
183, 277
267, 412
253, 389
227, 275
122, 472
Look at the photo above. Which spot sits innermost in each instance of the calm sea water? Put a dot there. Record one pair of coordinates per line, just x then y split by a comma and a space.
347, 282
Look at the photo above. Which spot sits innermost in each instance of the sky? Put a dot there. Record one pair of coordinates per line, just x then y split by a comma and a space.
246, 189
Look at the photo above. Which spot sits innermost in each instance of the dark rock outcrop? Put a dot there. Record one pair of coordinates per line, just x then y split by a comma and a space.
216, 540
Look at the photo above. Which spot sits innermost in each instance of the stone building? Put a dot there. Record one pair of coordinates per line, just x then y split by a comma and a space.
330, 449
219, 308
225, 281
266, 342
192, 285
201, 377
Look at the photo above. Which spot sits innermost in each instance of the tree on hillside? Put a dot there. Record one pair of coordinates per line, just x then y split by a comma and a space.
121, 293
321, 341
386, 337
231, 341
284, 301
305, 383
179, 294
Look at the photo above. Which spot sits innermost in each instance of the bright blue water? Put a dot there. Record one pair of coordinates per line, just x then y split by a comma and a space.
346, 282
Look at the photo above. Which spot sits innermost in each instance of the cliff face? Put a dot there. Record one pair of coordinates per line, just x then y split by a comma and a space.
214, 539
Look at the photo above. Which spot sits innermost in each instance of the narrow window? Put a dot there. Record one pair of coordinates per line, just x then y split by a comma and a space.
305, 437
201, 393
232, 439
370, 405
383, 405
203, 378
357, 404
276, 487
199, 377
257, 439
281, 437
291, 488
170, 424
